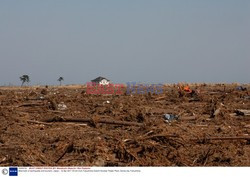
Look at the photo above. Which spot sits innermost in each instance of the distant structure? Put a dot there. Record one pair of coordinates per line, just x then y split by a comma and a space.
101, 80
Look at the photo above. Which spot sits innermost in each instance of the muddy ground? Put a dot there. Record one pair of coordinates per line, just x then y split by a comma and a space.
64, 126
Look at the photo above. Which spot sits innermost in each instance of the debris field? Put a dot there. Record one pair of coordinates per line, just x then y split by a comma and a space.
64, 126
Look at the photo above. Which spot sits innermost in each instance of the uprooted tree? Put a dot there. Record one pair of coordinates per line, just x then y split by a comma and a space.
60, 80
25, 78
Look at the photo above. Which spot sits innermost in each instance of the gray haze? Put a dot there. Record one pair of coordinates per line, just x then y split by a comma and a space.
133, 40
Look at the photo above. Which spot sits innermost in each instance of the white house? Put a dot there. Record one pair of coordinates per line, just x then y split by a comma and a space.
101, 80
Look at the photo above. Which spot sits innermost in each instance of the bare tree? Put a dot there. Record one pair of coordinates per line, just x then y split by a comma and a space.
25, 78
60, 80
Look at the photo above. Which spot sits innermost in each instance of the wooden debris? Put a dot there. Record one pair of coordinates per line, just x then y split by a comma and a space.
53, 104
31, 104
160, 98
242, 112
224, 138
247, 126
62, 150
162, 136
200, 125
38, 122
217, 112
190, 118
89, 120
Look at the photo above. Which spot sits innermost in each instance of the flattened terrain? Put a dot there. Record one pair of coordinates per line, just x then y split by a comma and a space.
64, 126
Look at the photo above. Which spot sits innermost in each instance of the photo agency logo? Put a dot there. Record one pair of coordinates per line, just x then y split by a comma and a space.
13, 171
96, 89
118, 89
140, 88
5, 171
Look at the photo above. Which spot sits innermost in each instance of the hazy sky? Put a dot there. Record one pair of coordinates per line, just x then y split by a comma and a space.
125, 40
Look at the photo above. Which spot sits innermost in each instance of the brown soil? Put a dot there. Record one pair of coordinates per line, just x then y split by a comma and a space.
36, 130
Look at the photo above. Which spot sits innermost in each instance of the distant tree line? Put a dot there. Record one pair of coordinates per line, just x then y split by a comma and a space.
26, 79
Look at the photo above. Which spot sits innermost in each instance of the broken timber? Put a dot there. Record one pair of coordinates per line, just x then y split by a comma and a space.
62, 150
225, 138
242, 112
89, 120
